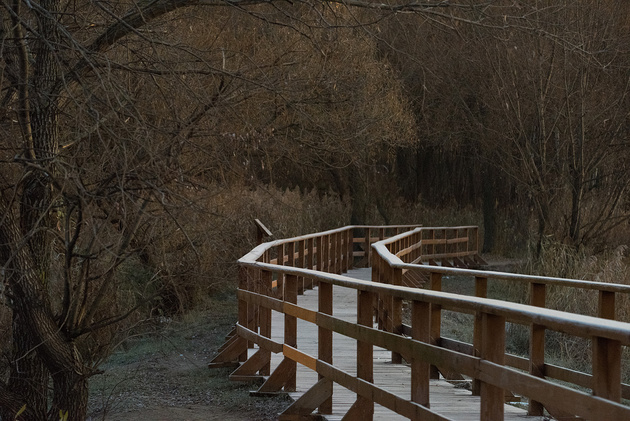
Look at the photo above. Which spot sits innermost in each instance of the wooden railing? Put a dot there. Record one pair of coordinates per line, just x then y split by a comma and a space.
273, 273
604, 381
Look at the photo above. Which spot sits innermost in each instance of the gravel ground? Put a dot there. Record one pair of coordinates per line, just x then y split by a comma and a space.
164, 376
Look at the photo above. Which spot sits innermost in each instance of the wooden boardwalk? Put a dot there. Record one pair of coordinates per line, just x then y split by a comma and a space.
451, 402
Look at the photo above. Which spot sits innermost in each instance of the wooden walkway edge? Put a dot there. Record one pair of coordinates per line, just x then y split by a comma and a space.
451, 402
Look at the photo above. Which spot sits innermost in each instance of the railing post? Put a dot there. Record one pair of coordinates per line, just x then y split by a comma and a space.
325, 239
607, 355
325, 337
377, 274
365, 351
334, 253
420, 370
537, 345
396, 312
299, 263
606, 305
349, 250
308, 283
338, 254
368, 246
253, 279
244, 308
607, 368
319, 257
280, 281
290, 251
290, 327
481, 290
493, 350
265, 314
436, 318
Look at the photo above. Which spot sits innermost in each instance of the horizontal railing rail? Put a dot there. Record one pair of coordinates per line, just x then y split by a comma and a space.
389, 267
273, 273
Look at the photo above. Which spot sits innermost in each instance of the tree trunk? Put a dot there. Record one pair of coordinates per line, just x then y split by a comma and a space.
70, 392
29, 376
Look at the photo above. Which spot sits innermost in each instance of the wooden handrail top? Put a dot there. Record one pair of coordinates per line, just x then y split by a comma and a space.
394, 261
570, 323
258, 251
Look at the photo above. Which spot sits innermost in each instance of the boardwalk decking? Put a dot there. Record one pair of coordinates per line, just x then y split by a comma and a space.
451, 402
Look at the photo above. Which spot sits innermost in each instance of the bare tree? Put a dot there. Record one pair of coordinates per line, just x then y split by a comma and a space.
112, 113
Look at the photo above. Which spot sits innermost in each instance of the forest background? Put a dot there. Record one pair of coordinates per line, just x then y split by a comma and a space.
141, 138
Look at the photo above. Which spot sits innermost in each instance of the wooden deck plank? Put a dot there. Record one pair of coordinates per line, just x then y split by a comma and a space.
455, 403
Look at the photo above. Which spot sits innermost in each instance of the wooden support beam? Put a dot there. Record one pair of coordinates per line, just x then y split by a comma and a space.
262, 231
249, 370
308, 402
359, 411
229, 357
277, 380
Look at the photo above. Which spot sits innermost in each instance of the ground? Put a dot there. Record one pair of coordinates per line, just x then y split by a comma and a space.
164, 376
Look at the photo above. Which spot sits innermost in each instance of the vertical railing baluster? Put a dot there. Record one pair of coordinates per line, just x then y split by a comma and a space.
338, 254
607, 355
607, 368
325, 337
396, 312
436, 318
308, 283
365, 351
420, 370
481, 290
349, 250
244, 308
264, 313
326, 253
368, 246
606, 305
280, 280
290, 327
493, 350
299, 263
537, 293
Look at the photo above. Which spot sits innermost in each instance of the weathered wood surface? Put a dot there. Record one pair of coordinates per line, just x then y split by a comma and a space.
451, 402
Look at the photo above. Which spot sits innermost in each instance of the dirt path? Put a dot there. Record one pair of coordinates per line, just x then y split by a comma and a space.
164, 376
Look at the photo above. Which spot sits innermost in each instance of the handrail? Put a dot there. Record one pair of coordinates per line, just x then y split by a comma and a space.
393, 260
331, 253
535, 363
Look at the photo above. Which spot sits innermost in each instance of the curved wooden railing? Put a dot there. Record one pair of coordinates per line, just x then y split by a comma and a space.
273, 273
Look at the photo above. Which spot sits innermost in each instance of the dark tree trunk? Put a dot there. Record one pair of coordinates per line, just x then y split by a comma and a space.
70, 392
29, 376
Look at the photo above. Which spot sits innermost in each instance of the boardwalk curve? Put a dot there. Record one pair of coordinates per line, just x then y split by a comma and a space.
274, 274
